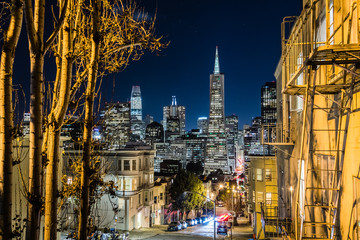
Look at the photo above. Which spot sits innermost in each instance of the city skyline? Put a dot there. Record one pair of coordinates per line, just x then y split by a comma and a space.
182, 68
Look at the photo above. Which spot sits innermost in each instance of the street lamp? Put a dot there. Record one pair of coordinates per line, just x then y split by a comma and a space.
291, 191
214, 209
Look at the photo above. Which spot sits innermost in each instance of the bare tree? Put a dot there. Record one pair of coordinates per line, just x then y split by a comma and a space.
10, 40
119, 33
35, 17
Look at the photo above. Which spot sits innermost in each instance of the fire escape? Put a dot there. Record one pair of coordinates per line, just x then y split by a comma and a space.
320, 72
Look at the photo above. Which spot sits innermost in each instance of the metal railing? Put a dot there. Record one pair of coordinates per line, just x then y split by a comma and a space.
319, 26
275, 134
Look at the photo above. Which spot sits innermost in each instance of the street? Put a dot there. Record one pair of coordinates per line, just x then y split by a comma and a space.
203, 231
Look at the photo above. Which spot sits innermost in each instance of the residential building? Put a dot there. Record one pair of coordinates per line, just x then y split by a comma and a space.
130, 203
158, 216
116, 124
318, 123
137, 124
263, 195
216, 153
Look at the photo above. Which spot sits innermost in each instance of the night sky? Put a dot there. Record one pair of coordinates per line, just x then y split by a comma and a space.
248, 36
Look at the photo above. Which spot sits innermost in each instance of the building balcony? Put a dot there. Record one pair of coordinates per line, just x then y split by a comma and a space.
321, 35
126, 193
275, 134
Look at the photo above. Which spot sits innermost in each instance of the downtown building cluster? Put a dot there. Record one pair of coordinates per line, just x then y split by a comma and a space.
214, 145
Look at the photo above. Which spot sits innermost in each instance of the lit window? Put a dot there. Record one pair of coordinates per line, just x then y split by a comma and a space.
268, 198
268, 175
259, 174
69, 180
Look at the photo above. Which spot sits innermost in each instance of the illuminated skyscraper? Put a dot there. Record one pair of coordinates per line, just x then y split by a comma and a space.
202, 124
174, 118
268, 103
116, 124
137, 125
216, 154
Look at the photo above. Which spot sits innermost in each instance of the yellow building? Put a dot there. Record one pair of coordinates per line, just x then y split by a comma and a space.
263, 194
318, 131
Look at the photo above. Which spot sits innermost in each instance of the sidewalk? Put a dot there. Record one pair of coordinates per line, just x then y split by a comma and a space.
243, 231
143, 233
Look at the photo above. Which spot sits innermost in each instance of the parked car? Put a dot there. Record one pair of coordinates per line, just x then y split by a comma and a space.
198, 220
174, 226
204, 219
222, 229
190, 222
195, 221
183, 224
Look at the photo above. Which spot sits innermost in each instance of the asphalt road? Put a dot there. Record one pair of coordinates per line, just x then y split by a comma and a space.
205, 231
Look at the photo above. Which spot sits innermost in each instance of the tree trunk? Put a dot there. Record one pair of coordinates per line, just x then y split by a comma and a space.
35, 18
89, 104
51, 190
6, 116
35, 159
56, 119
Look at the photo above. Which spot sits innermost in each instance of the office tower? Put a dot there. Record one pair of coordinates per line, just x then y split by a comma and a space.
148, 119
232, 129
195, 144
173, 112
116, 124
154, 133
137, 124
216, 154
268, 114
202, 124
26, 124
268, 103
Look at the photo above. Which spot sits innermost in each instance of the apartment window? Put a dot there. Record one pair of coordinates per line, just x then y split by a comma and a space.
134, 165
254, 196
140, 163
119, 165
155, 199
268, 198
146, 196
139, 198
127, 184
268, 175
69, 180
161, 196
259, 174
126, 165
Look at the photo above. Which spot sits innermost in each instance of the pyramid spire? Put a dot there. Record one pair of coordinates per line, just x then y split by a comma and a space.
217, 65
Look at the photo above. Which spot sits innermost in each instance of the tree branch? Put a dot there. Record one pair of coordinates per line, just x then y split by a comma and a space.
57, 27
30, 27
